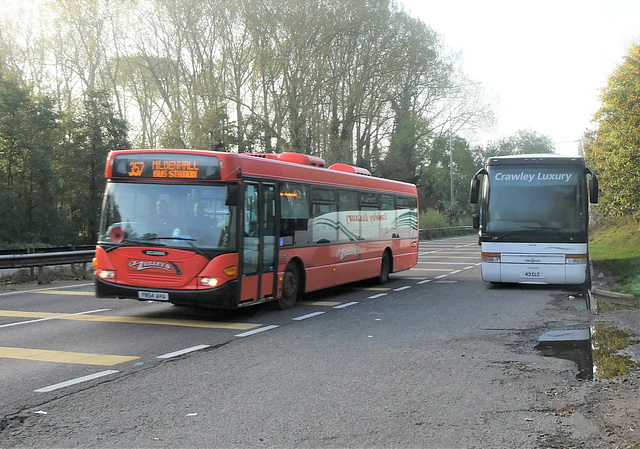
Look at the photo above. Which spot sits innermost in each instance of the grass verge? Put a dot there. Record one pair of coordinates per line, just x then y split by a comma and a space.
614, 245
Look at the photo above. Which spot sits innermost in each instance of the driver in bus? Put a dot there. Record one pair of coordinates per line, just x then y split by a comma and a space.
163, 220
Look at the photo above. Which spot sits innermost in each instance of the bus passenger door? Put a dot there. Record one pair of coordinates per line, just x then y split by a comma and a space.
259, 249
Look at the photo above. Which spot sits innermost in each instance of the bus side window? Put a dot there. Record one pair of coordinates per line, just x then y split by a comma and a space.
407, 210
388, 217
370, 226
349, 216
294, 214
325, 219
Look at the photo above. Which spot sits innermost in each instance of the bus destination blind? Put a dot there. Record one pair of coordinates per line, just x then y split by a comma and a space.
166, 166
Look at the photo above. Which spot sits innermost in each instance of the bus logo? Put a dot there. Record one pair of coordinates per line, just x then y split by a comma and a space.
154, 252
346, 252
140, 265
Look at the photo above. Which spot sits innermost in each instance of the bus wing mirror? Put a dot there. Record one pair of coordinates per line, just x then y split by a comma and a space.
476, 221
593, 187
233, 195
475, 186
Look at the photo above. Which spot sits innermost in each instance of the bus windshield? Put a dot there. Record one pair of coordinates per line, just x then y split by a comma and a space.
176, 215
543, 200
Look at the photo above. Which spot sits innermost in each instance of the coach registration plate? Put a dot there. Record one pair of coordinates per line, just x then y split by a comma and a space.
155, 296
531, 274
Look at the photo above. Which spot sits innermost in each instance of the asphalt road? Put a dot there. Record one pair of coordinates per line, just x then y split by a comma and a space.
434, 358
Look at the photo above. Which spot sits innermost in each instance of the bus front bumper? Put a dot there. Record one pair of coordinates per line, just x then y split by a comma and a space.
224, 297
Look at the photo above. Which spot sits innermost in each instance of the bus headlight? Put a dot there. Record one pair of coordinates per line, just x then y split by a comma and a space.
575, 259
106, 274
209, 282
491, 257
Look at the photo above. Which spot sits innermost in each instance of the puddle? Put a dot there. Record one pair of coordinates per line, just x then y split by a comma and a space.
594, 350
574, 345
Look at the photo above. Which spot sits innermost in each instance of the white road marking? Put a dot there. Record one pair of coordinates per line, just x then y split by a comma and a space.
53, 317
308, 315
348, 304
258, 330
76, 381
379, 295
183, 351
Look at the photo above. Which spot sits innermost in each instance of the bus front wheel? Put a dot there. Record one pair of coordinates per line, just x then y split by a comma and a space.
290, 288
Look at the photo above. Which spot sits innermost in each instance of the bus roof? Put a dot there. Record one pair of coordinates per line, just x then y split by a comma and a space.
233, 167
537, 159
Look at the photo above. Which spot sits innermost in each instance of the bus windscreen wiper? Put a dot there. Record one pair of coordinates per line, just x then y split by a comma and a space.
185, 239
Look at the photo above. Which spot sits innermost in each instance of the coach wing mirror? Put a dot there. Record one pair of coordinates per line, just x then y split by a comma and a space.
475, 218
233, 195
593, 187
475, 186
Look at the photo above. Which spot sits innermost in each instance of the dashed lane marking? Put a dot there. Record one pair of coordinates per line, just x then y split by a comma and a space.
127, 319
183, 351
308, 315
345, 305
46, 355
379, 295
320, 303
78, 380
431, 269
436, 256
257, 331
444, 263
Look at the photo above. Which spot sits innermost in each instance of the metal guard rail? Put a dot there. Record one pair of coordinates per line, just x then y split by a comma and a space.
45, 259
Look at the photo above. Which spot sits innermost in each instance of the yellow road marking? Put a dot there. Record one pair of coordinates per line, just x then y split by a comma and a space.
66, 292
131, 319
320, 303
45, 355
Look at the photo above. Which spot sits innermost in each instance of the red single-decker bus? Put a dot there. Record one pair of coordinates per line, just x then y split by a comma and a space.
224, 230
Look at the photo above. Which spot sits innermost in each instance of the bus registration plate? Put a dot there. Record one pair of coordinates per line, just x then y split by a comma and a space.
532, 274
155, 296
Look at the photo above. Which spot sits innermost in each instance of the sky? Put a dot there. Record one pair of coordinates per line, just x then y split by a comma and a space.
542, 63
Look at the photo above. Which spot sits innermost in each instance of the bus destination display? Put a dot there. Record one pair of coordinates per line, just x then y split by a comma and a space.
166, 166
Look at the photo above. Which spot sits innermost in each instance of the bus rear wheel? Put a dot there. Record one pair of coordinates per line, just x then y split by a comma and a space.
385, 268
290, 288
